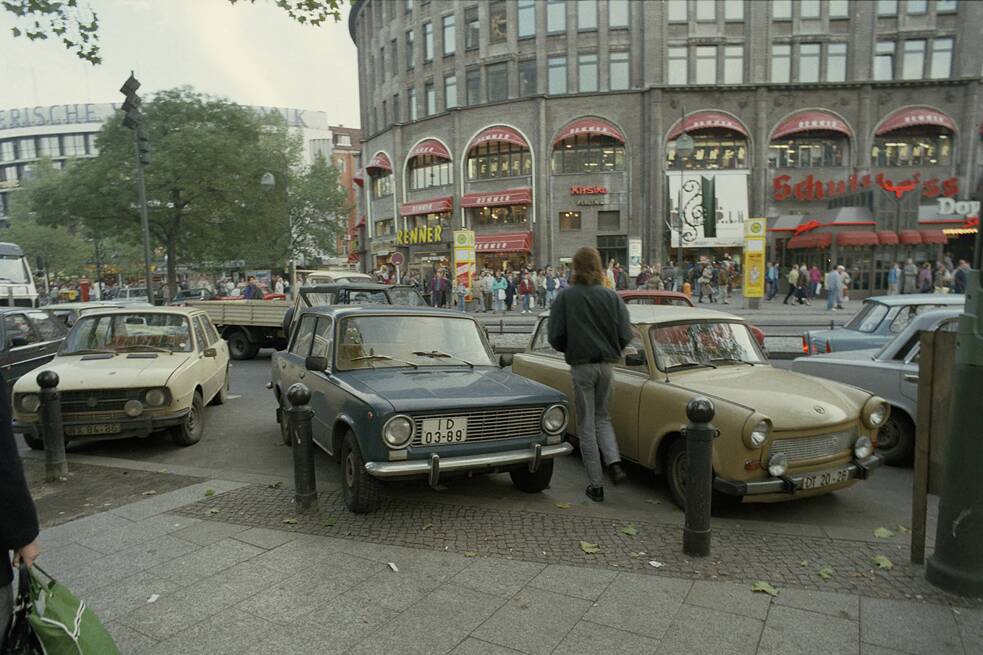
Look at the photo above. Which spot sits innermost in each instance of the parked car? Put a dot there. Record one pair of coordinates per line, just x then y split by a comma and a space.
879, 319
184, 295
68, 312
132, 294
675, 298
401, 393
783, 435
131, 372
331, 276
892, 373
30, 338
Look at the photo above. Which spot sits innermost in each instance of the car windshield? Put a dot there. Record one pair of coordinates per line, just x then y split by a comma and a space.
394, 341
703, 343
407, 296
129, 332
868, 318
659, 300
13, 269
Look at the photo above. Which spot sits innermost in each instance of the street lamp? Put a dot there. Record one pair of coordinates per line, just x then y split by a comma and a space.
267, 183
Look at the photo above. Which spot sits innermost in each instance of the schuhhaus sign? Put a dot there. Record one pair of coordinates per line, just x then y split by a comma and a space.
812, 188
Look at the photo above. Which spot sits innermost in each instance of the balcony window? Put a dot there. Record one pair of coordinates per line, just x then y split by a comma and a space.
619, 73
587, 72
497, 78
557, 76
781, 62
498, 159
586, 15
527, 78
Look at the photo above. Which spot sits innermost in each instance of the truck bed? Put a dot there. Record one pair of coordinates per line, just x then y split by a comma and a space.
257, 313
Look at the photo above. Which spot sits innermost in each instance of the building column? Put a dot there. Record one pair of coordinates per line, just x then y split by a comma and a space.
759, 165
653, 171
969, 134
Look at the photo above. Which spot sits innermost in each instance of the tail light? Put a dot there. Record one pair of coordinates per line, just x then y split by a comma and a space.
829, 347
805, 344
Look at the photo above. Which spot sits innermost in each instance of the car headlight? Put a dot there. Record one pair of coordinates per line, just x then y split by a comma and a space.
555, 419
397, 431
777, 465
133, 408
862, 448
756, 431
30, 402
875, 412
155, 398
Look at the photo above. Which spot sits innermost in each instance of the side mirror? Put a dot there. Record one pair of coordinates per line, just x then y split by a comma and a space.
634, 357
312, 363
505, 359
18, 342
210, 352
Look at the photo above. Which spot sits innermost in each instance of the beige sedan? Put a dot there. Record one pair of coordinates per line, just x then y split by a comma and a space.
783, 435
131, 372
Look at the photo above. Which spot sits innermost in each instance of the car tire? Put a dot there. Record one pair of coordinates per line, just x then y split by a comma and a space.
533, 483
674, 468
223, 392
359, 489
193, 427
896, 440
34, 443
240, 347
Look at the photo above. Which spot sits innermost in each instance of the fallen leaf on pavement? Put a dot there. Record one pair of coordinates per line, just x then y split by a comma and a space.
826, 573
804, 562
902, 529
656, 564
883, 533
427, 526
764, 587
470, 553
213, 510
629, 530
153, 598
636, 555
589, 548
882, 562
209, 492
150, 492
563, 505
290, 520
392, 567
275, 485
328, 522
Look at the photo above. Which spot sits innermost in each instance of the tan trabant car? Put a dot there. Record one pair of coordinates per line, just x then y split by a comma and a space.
782, 435
131, 372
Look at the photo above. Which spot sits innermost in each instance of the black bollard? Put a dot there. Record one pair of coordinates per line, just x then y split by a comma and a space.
699, 476
52, 430
299, 415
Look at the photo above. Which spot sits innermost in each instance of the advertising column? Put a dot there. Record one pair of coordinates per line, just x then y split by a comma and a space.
464, 259
754, 261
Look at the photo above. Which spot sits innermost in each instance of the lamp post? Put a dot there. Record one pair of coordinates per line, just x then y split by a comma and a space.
268, 183
684, 148
132, 120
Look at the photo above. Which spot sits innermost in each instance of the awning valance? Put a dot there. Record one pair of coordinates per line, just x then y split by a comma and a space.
910, 237
856, 239
811, 121
821, 240
705, 120
431, 147
913, 116
934, 236
359, 177
498, 133
520, 196
887, 238
432, 206
379, 163
589, 126
506, 242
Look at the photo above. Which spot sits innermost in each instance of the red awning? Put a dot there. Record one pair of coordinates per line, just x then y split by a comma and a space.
507, 242
910, 237
589, 126
934, 236
887, 238
912, 116
821, 240
811, 121
521, 196
432, 206
431, 147
358, 178
379, 162
856, 239
703, 120
498, 133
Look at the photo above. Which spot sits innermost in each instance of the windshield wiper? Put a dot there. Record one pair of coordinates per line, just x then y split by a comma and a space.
91, 351
154, 348
371, 357
691, 365
736, 360
436, 354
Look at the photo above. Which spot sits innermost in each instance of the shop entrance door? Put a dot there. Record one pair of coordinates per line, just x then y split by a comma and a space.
614, 247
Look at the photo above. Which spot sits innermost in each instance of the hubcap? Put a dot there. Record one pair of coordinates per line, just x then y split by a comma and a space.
888, 437
679, 472
193, 419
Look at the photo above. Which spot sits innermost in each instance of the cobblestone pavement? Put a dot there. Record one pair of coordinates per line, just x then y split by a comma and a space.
811, 563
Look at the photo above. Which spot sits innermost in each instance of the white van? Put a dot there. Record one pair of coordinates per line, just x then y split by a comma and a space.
16, 282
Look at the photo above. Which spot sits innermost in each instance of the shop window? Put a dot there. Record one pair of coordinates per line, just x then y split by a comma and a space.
527, 78
924, 146
713, 149
609, 220
526, 11
427, 171
588, 153
807, 151
569, 221
613, 247
498, 24
498, 159
429, 220
385, 228
513, 215
382, 185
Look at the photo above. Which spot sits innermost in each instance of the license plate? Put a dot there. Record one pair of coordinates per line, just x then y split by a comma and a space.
95, 428
817, 480
449, 429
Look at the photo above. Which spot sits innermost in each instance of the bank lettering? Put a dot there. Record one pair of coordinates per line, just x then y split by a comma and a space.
419, 235
588, 190
811, 188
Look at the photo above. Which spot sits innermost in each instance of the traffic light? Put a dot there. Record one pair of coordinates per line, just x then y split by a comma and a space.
143, 146
131, 106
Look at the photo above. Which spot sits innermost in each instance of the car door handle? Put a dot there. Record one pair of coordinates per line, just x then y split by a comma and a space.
911, 377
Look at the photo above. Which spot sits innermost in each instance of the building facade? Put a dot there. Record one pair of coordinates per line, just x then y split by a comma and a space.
544, 125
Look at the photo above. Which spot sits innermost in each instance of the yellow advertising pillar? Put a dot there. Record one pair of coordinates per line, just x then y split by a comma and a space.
464, 259
755, 239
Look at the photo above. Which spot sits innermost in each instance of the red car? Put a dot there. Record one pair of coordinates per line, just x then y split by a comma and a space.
659, 297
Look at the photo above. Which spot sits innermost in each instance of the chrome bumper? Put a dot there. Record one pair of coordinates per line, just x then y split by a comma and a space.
129, 427
435, 465
792, 483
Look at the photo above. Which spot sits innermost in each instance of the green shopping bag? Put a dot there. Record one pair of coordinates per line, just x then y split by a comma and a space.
63, 623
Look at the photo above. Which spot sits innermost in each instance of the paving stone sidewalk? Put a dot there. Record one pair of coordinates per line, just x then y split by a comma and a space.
169, 583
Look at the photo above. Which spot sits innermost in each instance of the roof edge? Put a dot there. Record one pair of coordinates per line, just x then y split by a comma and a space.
352, 15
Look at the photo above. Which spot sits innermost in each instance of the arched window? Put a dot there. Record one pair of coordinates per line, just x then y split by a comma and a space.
380, 169
588, 153
720, 143
914, 136
809, 139
498, 152
427, 171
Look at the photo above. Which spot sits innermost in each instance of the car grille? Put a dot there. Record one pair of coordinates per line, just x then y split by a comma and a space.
489, 424
97, 400
798, 449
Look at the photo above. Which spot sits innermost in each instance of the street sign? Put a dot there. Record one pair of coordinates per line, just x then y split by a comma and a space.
397, 258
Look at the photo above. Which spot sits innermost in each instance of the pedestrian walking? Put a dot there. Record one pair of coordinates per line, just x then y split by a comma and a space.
707, 280
439, 286
960, 277
793, 283
485, 285
943, 278
18, 518
909, 277
845, 281
509, 291
551, 286
499, 286
815, 281
527, 291
252, 290
833, 282
893, 278
723, 282
589, 324
925, 278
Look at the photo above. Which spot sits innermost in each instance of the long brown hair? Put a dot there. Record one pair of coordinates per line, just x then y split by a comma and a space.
587, 267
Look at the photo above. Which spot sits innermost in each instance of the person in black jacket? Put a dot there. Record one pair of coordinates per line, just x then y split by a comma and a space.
589, 324
18, 519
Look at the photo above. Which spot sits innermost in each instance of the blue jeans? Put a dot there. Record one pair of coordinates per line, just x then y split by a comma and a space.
832, 298
592, 385
461, 302
550, 297
525, 302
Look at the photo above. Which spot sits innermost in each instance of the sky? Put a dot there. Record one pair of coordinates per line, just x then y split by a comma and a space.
252, 54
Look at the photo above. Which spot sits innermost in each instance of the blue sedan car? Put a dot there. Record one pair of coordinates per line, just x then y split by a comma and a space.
878, 321
401, 392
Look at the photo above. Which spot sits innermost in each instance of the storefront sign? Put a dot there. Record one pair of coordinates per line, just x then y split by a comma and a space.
754, 257
419, 235
634, 257
521, 196
811, 188
435, 206
964, 208
589, 126
590, 203
729, 202
588, 190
